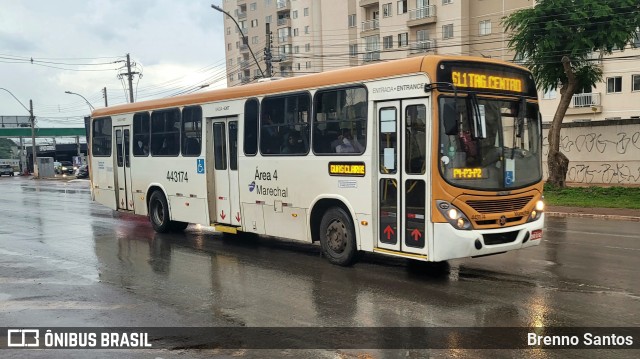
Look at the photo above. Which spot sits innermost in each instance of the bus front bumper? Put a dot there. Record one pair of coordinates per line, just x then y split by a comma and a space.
450, 243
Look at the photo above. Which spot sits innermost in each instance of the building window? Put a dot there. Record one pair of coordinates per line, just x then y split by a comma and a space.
228, 31
352, 20
307, 47
402, 7
252, 6
386, 10
306, 11
403, 39
635, 83
485, 27
268, 19
296, 49
229, 47
387, 42
614, 84
550, 94
353, 50
267, 3
294, 14
447, 31
255, 40
295, 32
306, 29
447, 2
254, 23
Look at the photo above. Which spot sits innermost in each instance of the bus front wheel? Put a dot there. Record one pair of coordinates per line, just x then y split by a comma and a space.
159, 212
337, 237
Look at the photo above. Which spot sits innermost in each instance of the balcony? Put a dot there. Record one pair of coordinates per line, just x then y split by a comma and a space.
282, 5
585, 103
244, 47
422, 16
367, 3
242, 15
370, 25
284, 22
422, 47
371, 55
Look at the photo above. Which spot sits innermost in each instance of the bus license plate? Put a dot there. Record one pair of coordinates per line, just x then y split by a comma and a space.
537, 234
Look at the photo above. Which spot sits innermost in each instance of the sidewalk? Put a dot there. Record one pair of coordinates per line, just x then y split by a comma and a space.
618, 214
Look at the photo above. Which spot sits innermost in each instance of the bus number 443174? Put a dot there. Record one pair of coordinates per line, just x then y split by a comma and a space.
177, 176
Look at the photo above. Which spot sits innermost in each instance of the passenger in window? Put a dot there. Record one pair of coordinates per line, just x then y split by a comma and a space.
349, 144
293, 144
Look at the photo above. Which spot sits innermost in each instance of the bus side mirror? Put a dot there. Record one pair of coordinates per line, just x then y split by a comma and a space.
450, 119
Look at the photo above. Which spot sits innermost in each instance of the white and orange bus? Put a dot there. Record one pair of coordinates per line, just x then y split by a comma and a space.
430, 158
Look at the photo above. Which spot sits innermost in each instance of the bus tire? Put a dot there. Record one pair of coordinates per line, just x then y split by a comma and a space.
337, 237
159, 213
177, 226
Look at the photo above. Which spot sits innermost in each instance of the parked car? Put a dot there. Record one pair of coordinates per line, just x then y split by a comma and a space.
66, 168
6, 170
82, 172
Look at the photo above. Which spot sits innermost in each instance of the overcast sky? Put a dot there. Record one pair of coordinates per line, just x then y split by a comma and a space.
177, 45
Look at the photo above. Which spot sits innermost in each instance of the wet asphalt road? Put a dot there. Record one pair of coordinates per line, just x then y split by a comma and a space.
66, 261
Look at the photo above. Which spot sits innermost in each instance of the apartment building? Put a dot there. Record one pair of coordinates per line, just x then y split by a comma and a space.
317, 35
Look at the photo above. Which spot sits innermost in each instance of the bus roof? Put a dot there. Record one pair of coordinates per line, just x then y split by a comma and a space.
348, 75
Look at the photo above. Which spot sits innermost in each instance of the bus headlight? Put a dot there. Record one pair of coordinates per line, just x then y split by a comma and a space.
537, 212
453, 215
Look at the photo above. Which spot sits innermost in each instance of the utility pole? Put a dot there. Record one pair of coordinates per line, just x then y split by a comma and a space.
267, 51
130, 76
34, 156
104, 94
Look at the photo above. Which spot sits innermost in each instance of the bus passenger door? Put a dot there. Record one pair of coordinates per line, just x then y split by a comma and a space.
123, 167
225, 174
402, 180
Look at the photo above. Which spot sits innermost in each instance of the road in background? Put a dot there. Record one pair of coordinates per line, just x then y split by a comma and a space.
66, 261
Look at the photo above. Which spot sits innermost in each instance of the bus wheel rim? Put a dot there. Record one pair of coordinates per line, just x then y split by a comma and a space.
337, 236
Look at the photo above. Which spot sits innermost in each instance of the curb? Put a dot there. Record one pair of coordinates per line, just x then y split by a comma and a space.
611, 217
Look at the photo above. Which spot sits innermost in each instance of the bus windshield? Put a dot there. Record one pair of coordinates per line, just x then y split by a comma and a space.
489, 144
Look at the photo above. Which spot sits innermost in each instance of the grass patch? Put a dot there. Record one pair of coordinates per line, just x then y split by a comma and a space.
605, 197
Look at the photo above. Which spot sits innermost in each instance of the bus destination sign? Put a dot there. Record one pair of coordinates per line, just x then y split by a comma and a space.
487, 80
354, 169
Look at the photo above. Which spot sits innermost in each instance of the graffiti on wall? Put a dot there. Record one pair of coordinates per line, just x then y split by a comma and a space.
600, 155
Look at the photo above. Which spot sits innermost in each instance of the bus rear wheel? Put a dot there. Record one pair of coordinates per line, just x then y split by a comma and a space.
337, 237
159, 213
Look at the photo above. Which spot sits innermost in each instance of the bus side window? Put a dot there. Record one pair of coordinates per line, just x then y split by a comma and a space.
141, 134
251, 127
340, 121
165, 132
191, 131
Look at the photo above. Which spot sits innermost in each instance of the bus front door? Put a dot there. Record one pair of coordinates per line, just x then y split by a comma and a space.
403, 134
123, 167
225, 174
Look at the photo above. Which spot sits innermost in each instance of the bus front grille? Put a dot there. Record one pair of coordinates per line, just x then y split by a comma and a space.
500, 205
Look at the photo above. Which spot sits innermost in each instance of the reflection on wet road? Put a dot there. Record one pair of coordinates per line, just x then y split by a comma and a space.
65, 256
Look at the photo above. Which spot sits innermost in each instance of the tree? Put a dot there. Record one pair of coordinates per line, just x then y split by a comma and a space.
557, 40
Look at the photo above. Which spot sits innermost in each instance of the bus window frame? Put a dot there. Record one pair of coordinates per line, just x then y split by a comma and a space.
179, 145
310, 110
93, 133
313, 118
135, 134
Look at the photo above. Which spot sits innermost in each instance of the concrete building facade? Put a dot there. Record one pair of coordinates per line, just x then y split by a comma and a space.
318, 35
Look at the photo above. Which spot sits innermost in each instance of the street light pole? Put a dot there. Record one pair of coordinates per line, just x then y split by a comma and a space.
85, 100
32, 119
244, 38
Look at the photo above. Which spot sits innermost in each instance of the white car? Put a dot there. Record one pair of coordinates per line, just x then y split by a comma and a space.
6, 170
